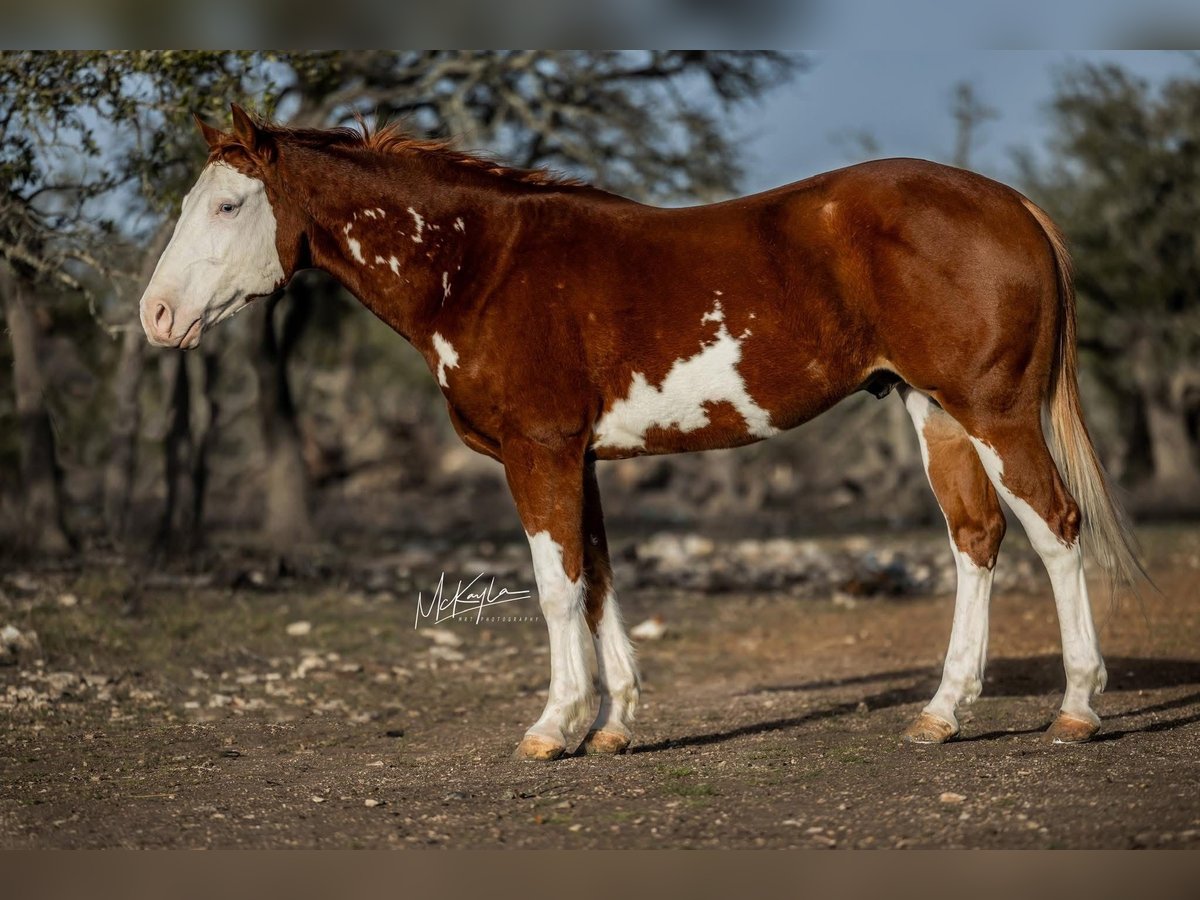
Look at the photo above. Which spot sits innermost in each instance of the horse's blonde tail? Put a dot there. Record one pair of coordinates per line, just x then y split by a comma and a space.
1106, 528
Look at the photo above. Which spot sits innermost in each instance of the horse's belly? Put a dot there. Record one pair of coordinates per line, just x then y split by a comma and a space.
704, 408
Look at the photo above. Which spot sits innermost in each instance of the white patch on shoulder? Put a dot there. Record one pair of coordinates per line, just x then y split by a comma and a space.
445, 286
459, 225
369, 212
447, 357
394, 265
420, 222
355, 246
711, 376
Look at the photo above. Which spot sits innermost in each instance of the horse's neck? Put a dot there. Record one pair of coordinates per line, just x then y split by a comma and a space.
397, 241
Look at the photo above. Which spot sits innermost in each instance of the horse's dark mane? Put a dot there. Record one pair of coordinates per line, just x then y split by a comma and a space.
392, 139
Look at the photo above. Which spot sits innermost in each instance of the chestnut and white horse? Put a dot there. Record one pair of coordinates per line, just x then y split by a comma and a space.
566, 325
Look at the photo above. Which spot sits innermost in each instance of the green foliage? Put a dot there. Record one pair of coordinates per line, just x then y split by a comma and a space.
1125, 186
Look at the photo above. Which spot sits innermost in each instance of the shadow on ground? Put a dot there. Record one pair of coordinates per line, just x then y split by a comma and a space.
1007, 677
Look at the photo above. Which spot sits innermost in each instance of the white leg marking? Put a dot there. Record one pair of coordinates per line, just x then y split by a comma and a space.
620, 686
711, 376
966, 655
1081, 649
447, 357
571, 659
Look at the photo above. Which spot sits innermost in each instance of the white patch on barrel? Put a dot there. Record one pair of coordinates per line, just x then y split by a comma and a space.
420, 222
445, 286
447, 357
711, 376
394, 265
459, 225
355, 246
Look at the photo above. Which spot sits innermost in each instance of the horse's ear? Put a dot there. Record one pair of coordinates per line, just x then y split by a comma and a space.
246, 130
212, 136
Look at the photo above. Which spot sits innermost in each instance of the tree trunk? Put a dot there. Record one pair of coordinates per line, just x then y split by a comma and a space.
121, 466
205, 437
1171, 451
287, 520
1175, 483
127, 419
173, 528
43, 528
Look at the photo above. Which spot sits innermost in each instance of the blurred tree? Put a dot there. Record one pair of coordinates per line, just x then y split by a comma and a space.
1124, 182
970, 113
93, 152
45, 191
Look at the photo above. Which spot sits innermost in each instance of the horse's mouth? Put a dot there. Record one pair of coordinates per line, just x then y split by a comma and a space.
191, 337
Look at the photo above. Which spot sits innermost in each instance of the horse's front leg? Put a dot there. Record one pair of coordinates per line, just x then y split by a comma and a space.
547, 484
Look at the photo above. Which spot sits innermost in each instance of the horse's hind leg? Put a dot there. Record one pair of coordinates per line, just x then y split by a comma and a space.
1019, 464
616, 669
976, 525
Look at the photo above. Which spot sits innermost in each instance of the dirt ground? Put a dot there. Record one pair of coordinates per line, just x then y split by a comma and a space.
206, 715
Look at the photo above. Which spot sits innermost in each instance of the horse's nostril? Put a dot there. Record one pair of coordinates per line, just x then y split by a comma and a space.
162, 318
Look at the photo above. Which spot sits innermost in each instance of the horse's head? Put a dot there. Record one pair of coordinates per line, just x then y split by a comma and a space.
231, 243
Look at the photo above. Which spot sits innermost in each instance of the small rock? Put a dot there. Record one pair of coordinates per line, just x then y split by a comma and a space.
454, 795
66, 601
15, 643
23, 582
394, 732
653, 629
442, 637
299, 629
61, 683
231, 754
951, 797
371, 803
316, 798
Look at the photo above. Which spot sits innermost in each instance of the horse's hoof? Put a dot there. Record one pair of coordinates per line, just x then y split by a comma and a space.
605, 743
1068, 729
538, 748
930, 729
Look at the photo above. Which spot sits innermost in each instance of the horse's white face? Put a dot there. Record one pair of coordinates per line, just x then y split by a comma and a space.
222, 255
